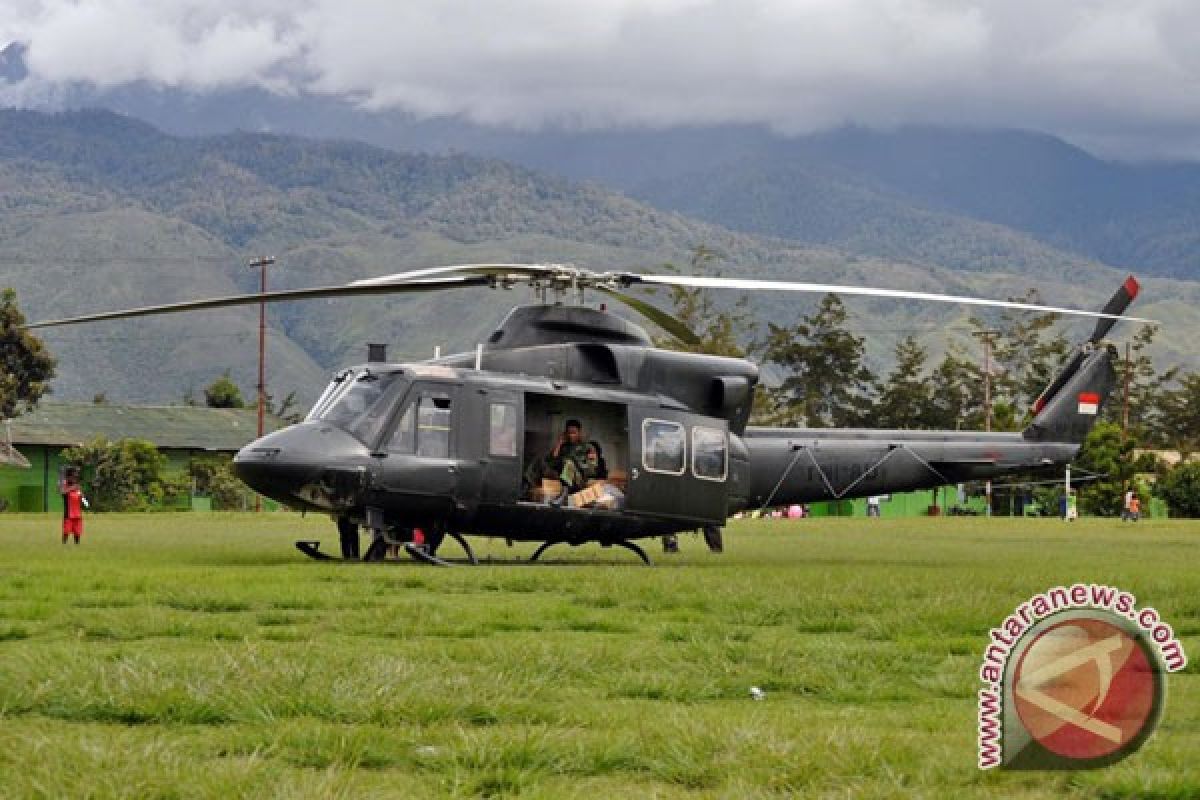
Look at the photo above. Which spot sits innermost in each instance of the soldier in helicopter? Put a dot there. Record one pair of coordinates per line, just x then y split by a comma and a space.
573, 461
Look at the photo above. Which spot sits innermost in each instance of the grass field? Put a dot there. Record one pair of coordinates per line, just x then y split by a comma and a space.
202, 656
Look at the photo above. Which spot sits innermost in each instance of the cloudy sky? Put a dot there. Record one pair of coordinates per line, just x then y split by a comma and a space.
1119, 76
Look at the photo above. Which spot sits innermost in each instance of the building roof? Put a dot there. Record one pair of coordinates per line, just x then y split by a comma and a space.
178, 427
1168, 457
11, 457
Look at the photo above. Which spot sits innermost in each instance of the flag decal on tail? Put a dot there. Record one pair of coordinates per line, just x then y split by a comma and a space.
1089, 403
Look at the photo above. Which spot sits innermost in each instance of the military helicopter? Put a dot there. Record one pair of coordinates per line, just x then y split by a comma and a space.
445, 446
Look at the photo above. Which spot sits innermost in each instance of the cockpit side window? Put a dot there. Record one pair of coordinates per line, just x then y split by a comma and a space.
433, 425
424, 426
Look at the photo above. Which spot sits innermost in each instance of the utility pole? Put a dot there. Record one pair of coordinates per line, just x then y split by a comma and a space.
261, 263
986, 336
1125, 400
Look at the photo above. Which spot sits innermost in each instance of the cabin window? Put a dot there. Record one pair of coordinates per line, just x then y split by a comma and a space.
433, 425
663, 445
404, 438
710, 454
502, 429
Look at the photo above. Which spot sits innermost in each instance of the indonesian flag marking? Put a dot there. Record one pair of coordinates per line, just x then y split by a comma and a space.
1089, 403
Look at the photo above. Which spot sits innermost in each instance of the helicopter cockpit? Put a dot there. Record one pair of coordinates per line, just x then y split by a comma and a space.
358, 401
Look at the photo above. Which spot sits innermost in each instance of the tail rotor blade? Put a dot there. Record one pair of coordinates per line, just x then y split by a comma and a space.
1112, 311
1115, 308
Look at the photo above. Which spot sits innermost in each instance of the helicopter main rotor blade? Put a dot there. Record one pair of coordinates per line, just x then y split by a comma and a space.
823, 288
550, 272
492, 270
348, 290
661, 318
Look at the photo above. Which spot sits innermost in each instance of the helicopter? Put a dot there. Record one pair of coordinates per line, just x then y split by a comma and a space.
444, 447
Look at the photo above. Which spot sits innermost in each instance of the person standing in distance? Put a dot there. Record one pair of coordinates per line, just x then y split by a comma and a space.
73, 504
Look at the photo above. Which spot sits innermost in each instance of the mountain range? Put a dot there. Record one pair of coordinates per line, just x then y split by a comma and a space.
101, 210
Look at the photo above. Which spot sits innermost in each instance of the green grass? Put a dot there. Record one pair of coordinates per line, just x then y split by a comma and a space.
201, 656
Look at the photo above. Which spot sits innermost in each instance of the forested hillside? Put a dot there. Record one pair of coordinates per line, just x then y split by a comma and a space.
943, 196
99, 211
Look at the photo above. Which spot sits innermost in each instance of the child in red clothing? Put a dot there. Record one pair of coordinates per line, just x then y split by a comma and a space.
73, 504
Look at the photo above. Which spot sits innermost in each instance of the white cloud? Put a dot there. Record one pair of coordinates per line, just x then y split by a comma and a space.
1103, 69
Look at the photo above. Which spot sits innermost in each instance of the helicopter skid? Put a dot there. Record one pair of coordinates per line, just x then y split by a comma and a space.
312, 549
628, 545
419, 554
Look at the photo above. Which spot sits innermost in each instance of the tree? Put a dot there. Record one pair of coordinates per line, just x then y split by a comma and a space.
223, 393
287, 410
1145, 384
28, 366
1107, 453
958, 401
828, 384
718, 331
213, 476
906, 397
126, 475
1178, 414
1180, 487
1026, 355
1029, 353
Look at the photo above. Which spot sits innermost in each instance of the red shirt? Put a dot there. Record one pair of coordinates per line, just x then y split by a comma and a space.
73, 502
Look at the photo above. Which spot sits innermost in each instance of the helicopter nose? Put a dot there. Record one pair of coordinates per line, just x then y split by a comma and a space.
290, 464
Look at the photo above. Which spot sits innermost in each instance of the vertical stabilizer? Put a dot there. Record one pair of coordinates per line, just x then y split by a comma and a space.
1083, 389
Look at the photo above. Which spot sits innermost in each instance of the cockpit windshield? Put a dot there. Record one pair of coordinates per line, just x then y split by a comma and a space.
357, 402
340, 381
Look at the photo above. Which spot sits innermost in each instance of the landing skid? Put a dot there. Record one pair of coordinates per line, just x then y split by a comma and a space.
377, 550
628, 545
418, 554
466, 546
423, 555
312, 549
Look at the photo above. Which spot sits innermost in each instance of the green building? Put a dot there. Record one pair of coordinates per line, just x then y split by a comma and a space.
904, 504
181, 433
